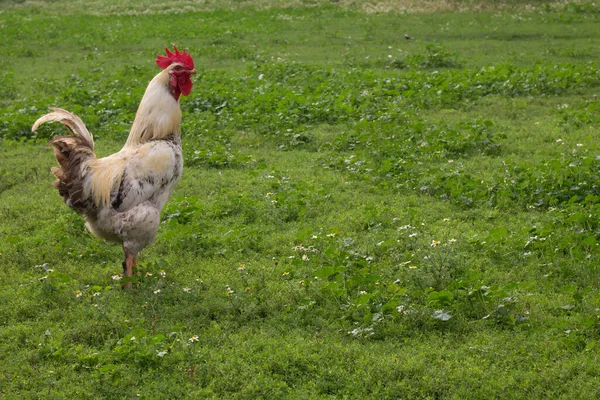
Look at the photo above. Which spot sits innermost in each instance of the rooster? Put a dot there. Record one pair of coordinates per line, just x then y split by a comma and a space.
121, 196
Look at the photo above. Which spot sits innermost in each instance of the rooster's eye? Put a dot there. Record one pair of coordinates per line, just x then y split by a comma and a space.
177, 68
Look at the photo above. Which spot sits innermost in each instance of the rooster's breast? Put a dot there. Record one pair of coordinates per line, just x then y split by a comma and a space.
151, 175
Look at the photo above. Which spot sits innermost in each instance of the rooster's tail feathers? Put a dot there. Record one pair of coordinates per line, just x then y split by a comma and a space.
73, 154
71, 121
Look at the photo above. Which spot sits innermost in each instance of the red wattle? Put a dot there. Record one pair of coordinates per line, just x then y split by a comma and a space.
185, 84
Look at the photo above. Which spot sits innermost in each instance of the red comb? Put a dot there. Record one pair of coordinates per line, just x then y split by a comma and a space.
177, 57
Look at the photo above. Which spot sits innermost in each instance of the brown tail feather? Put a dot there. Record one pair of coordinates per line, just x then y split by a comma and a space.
72, 154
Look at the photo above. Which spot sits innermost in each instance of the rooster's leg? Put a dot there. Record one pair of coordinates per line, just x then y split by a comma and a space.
128, 265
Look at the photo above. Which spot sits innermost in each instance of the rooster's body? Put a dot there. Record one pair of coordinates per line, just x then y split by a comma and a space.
121, 196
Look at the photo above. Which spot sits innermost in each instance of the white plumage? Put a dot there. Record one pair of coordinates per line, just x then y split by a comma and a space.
121, 196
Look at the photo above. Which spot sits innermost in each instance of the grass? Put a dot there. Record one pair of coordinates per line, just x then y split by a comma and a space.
360, 215
95, 7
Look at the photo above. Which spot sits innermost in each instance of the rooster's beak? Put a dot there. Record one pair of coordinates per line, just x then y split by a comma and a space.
193, 72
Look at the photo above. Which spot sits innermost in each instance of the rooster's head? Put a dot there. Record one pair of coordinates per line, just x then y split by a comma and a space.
180, 67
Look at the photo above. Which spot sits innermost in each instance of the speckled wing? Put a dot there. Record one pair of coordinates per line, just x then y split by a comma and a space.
151, 173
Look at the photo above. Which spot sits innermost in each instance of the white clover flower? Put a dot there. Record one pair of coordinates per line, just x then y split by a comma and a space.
117, 277
161, 353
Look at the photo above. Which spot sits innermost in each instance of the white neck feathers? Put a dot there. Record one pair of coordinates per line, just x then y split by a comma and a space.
158, 114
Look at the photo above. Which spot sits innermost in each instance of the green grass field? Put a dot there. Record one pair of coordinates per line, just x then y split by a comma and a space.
361, 215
